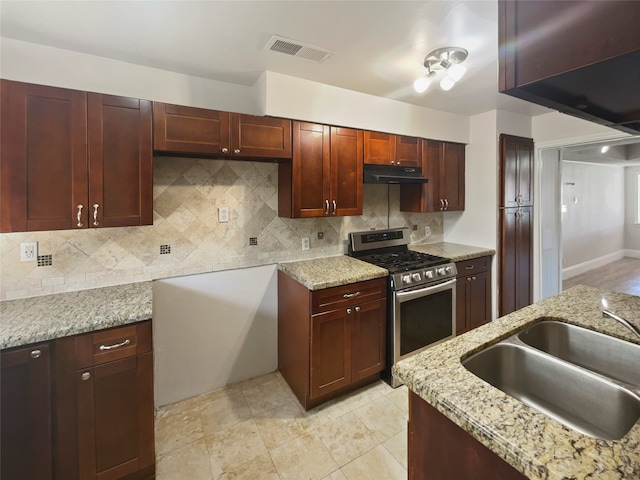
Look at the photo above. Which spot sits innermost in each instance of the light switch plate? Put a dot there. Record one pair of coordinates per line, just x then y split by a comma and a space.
223, 214
305, 243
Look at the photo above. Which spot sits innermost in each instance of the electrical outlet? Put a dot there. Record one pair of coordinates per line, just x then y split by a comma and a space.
223, 214
305, 243
427, 231
29, 251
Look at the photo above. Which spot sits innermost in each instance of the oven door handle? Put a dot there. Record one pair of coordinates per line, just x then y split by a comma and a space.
420, 292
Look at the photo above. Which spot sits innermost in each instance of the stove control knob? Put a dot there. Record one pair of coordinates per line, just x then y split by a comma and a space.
406, 279
449, 270
417, 277
442, 271
428, 274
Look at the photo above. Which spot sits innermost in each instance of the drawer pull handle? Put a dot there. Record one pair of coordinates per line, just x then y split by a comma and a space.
115, 345
36, 353
95, 214
326, 207
79, 224
350, 295
469, 267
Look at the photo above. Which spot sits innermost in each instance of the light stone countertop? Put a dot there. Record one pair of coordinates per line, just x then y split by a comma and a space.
533, 443
326, 272
36, 319
455, 251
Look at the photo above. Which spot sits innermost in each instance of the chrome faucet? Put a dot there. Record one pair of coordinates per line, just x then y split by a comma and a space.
618, 318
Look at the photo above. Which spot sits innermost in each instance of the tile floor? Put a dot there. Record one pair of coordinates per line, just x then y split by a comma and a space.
257, 430
620, 276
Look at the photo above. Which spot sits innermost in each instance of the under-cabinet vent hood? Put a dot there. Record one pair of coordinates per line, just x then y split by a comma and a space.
392, 174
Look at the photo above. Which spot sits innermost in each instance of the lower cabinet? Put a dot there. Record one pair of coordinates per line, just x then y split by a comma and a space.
331, 340
433, 440
473, 294
26, 441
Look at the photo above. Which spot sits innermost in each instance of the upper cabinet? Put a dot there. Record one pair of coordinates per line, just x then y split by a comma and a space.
516, 171
324, 177
589, 67
72, 159
388, 149
202, 132
443, 163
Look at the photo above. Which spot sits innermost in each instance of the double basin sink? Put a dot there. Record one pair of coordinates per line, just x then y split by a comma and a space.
586, 380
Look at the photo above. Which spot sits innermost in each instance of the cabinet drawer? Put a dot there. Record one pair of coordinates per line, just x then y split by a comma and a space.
114, 344
475, 265
347, 295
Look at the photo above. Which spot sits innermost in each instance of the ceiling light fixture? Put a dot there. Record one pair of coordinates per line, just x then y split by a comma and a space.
446, 59
604, 149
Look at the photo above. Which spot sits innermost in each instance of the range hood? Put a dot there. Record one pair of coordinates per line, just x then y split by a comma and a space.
392, 174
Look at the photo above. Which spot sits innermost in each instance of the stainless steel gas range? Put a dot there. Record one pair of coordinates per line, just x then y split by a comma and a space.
421, 292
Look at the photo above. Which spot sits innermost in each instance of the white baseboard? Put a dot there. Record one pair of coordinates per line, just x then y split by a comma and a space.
632, 253
570, 272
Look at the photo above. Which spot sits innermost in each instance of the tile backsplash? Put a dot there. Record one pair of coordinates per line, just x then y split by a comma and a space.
186, 237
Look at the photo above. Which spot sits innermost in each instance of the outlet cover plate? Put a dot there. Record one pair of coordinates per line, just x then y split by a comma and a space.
29, 251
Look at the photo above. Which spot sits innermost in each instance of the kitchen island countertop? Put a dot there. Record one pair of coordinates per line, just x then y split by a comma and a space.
536, 445
37, 319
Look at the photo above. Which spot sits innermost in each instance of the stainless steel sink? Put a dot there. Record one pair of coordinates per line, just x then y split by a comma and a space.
595, 351
578, 398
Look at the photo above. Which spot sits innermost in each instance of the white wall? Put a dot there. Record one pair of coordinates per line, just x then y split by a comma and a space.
213, 329
593, 224
557, 129
632, 229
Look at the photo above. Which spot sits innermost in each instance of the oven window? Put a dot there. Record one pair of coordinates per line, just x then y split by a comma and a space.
425, 320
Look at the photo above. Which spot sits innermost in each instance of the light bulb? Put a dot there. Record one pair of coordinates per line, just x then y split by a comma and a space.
456, 71
421, 84
604, 149
447, 83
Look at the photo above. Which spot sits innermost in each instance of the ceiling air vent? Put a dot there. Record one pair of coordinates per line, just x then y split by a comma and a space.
297, 49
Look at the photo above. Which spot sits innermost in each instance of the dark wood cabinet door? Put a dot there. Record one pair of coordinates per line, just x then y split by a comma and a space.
515, 289
190, 130
452, 181
368, 337
330, 352
479, 299
120, 161
346, 171
462, 290
261, 137
408, 151
379, 148
43, 167
26, 416
516, 171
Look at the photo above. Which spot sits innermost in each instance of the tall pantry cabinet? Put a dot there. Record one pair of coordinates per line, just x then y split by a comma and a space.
516, 224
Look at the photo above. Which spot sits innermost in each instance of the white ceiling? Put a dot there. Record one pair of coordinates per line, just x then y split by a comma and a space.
379, 45
621, 153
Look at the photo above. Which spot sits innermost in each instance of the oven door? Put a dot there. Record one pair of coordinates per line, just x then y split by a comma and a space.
422, 317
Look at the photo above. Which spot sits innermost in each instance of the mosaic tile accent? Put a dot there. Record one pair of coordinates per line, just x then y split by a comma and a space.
187, 194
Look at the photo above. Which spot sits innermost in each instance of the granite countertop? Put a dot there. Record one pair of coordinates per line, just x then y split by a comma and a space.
36, 319
326, 272
455, 251
536, 445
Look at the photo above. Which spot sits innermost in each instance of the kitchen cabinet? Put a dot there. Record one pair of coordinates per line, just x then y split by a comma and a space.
324, 177
72, 159
432, 438
26, 416
388, 149
332, 340
473, 293
594, 66
104, 401
443, 163
211, 133
515, 249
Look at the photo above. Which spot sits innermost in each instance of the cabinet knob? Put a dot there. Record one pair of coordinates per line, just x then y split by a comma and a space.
95, 214
236, 151
225, 150
392, 162
79, 224
349, 311
36, 353
357, 309
85, 376
468, 279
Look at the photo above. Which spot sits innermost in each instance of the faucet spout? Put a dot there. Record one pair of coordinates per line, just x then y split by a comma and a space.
618, 318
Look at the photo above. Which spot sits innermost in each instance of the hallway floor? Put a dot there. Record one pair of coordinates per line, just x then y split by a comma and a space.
258, 430
620, 276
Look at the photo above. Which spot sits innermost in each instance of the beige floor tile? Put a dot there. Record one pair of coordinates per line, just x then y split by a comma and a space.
224, 411
346, 438
177, 430
233, 446
326, 412
366, 394
253, 382
282, 424
376, 464
260, 467
382, 418
190, 462
337, 475
303, 458
400, 398
397, 446
267, 396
